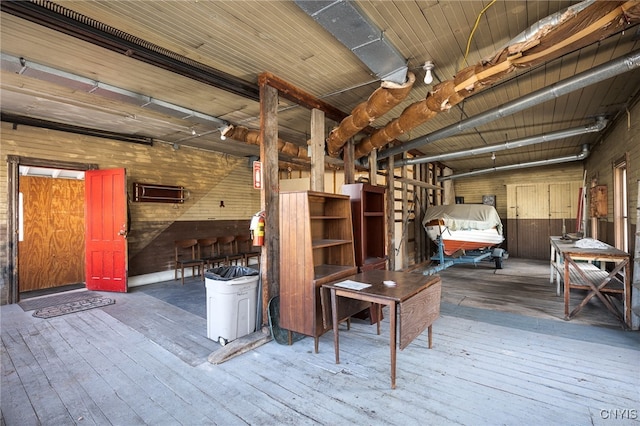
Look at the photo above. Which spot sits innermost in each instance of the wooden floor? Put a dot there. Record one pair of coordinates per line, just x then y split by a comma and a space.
502, 354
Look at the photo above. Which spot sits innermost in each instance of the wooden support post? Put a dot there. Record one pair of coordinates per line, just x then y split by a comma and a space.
349, 162
391, 226
373, 167
269, 195
405, 216
317, 150
420, 209
417, 216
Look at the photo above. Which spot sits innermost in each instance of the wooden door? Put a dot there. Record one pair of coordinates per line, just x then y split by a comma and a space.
51, 243
532, 217
106, 230
562, 202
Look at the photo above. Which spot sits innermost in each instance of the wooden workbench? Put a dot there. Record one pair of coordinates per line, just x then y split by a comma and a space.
575, 266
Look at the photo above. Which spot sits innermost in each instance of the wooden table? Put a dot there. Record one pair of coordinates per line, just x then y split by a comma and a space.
414, 304
586, 276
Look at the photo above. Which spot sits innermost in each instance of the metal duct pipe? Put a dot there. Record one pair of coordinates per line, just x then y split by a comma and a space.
581, 156
57, 17
597, 74
598, 126
347, 23
53, 75
588, 26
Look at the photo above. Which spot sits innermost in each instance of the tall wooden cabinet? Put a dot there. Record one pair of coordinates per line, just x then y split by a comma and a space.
368, 215
316, 247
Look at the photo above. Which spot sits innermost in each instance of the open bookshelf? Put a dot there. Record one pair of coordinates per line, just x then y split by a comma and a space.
316, 247
368, 216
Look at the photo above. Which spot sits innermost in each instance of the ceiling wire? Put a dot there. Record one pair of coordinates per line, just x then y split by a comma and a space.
475, 26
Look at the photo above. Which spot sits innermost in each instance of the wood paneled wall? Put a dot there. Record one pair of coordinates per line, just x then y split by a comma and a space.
537, 210
623, 138
530, 237
473, 188
208, 177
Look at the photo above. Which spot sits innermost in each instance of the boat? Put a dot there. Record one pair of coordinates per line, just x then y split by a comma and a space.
463, 227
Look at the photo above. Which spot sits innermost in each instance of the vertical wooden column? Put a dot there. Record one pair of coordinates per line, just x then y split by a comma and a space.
349, 162
373, 167
317, 150
404, 247
391, 226
269, 195
635, 284
419, 211
11, 287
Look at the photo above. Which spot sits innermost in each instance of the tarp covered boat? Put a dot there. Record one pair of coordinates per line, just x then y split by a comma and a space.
463, 227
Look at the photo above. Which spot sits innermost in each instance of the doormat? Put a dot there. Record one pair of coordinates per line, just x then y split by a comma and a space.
58, 299
77, 306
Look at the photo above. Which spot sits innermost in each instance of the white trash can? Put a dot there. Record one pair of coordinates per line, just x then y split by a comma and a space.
232, 293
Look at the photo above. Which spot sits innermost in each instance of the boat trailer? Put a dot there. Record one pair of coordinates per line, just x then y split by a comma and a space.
496, 255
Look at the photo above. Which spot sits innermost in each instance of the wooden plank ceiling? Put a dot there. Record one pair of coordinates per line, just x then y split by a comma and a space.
247, 38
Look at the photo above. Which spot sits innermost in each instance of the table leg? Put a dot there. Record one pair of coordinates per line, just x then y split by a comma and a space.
567, 289
379, 309
552, 261
430, 334
627, 294
334, 317
595, 290
392, 342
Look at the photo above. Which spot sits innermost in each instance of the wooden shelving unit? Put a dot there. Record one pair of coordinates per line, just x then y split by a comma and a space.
316, 247
369, 230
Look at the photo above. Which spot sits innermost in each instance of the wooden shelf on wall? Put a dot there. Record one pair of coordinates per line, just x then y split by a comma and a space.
152, 193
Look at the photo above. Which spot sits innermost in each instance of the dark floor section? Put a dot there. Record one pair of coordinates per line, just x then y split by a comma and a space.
32, 304
190, 297
53, 290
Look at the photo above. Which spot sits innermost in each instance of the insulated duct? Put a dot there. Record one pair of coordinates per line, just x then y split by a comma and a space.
382, 100
582, 28
347, 23
547, 23
581, 156
597, 74
243, 134
519, 143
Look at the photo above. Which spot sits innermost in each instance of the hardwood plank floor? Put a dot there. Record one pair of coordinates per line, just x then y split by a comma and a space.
502, 354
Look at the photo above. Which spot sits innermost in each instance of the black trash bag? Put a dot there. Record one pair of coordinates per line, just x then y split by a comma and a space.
227, 273
279, 334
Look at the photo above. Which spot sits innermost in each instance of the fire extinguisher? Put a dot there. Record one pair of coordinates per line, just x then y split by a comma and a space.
257, 229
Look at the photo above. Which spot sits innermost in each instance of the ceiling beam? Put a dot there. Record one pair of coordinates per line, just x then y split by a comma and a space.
299, 96
52, 125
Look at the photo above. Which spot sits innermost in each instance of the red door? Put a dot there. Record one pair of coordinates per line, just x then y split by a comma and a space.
106, 230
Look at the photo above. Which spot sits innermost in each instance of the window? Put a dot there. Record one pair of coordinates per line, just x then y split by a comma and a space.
620, 218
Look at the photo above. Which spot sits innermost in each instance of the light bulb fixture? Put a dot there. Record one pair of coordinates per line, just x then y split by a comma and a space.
428, 75
493, 156
224, 130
